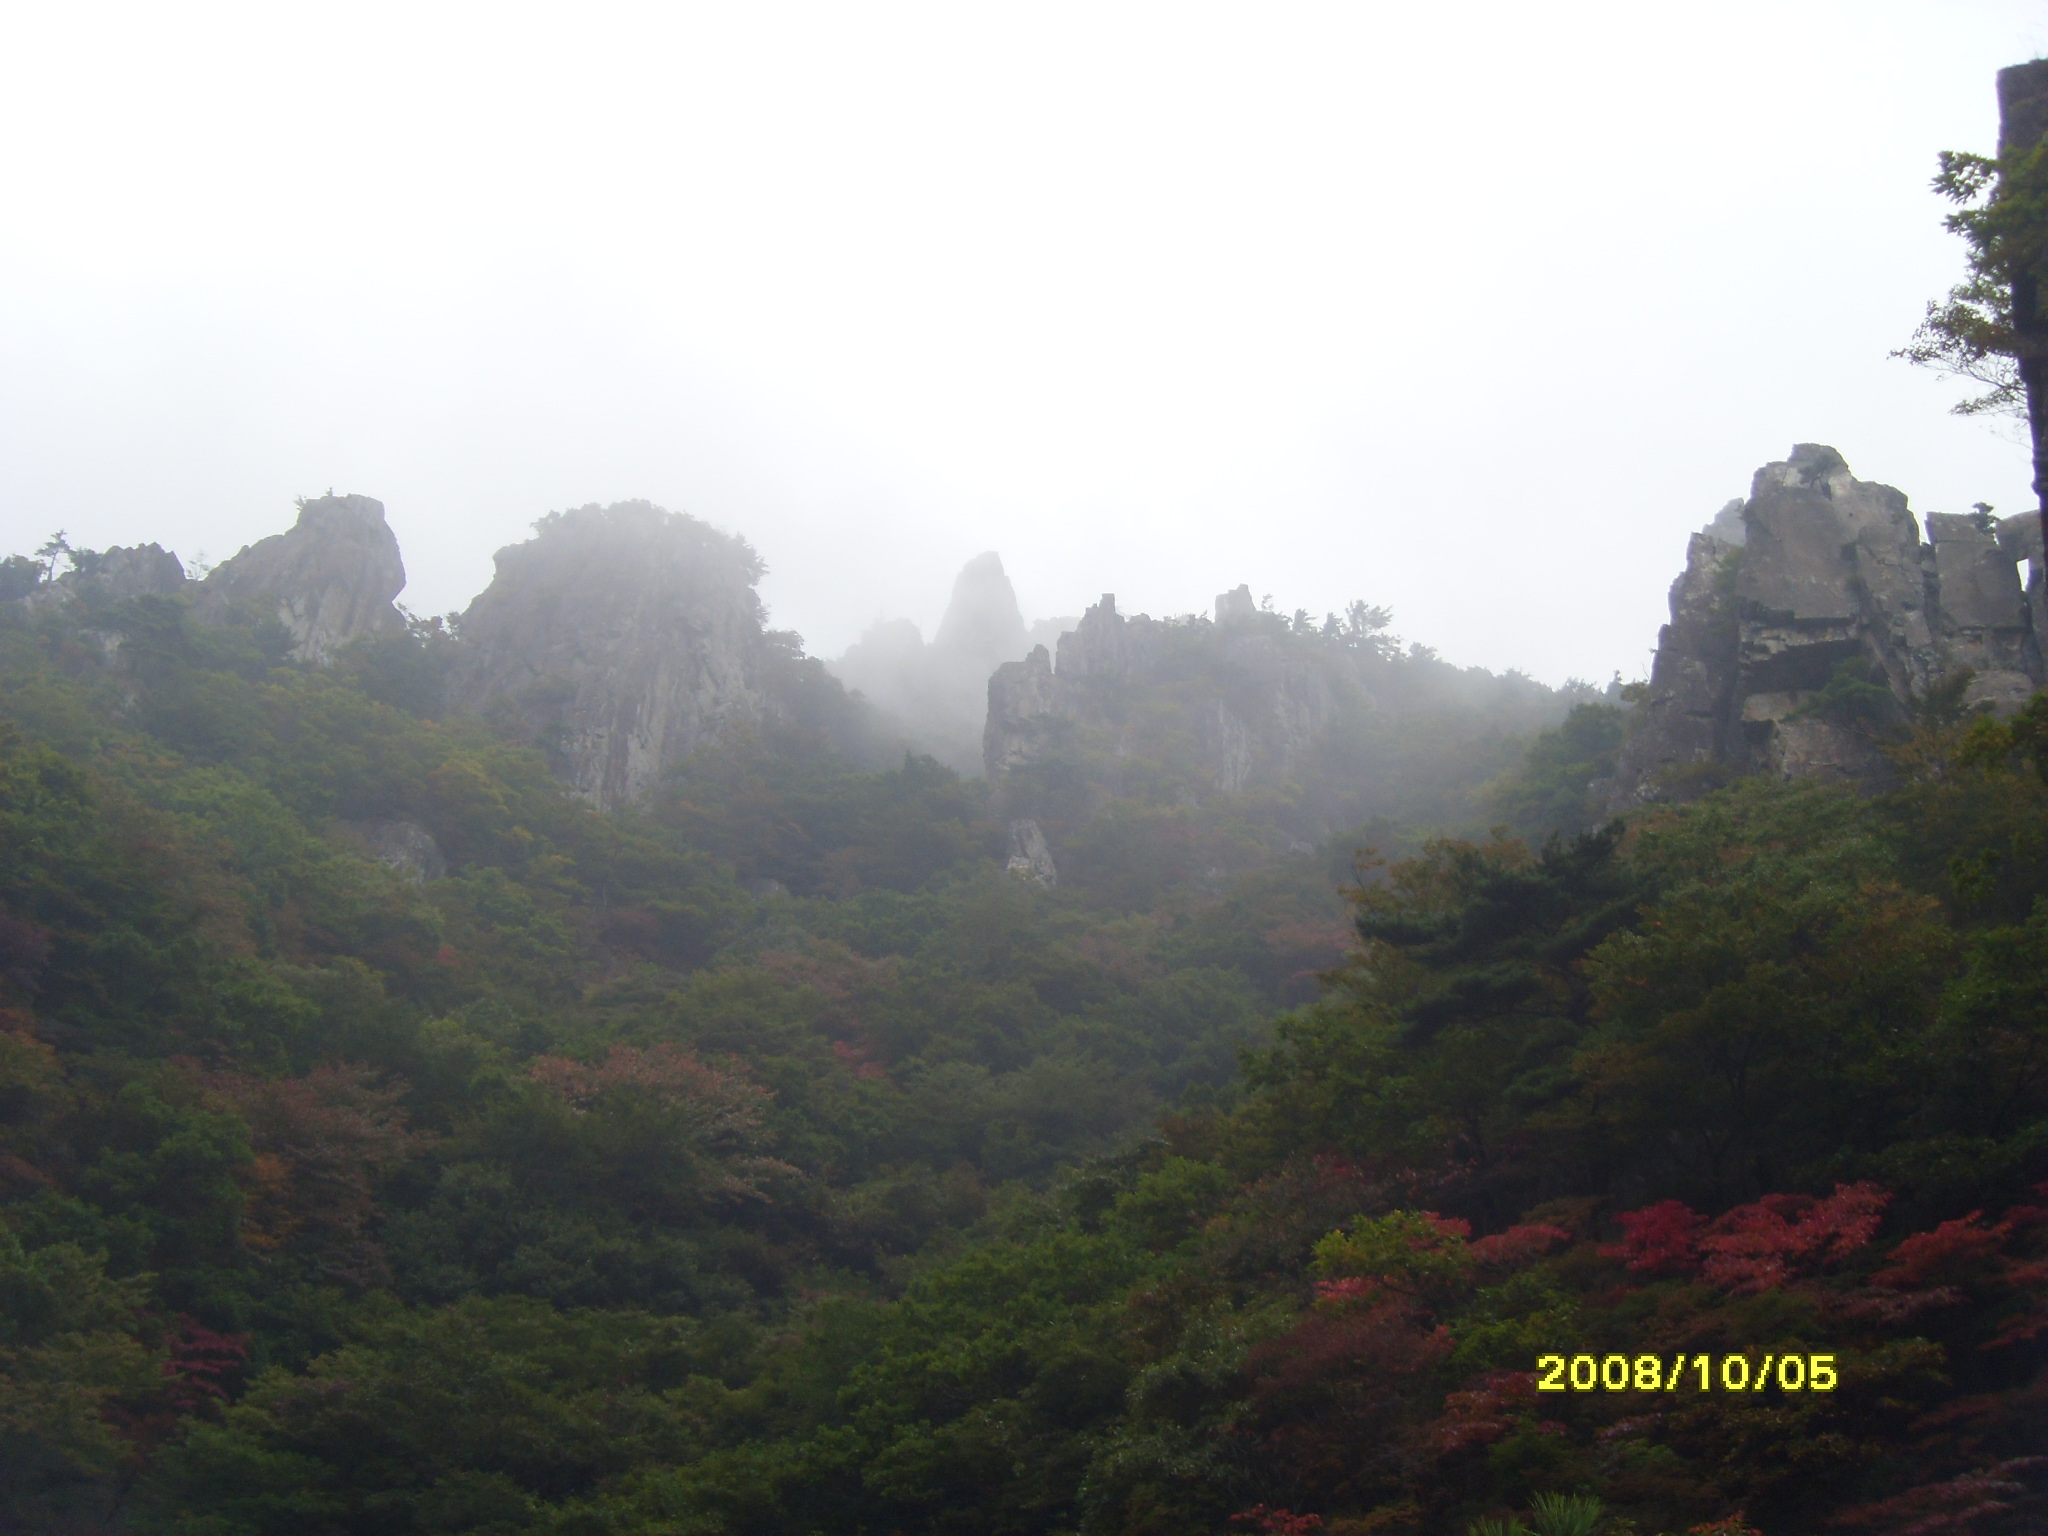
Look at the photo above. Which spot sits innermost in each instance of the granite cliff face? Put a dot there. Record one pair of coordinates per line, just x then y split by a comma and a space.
1812, 616
333, 577
623, 638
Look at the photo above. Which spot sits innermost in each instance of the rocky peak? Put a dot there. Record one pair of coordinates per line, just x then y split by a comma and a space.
140, 570
982, 622
333, 577
1103, 643
1250, 732
625, 637
1827, 582
1236, 606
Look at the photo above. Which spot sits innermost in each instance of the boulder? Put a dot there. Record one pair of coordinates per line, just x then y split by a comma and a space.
1978, 585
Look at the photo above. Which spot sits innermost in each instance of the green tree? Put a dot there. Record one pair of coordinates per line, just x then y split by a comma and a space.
1993, 328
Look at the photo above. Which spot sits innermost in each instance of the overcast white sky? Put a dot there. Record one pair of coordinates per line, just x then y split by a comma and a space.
1472, 310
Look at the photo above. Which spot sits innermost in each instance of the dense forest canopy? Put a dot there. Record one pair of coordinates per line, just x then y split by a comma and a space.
763, 1158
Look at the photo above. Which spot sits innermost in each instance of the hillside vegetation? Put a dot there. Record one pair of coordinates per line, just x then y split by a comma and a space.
764, 1160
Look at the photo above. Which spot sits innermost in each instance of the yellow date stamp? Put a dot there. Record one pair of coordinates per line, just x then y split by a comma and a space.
1701, 1373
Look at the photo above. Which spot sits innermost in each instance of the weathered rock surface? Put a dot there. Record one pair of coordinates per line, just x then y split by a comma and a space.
1030, 858
624, 638
1022, 712
333, 577
1811, 617
140, 570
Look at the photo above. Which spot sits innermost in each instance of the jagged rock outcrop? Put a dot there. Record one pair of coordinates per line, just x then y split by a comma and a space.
1812, 616
1030, 858
333, 577
1022, 708
112, 576
623, 638
1236, 606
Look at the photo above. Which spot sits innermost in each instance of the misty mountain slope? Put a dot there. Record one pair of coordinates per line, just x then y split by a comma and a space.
1156, 754
394, 1142
626, 642
872, 1189
1188, 747
937, 692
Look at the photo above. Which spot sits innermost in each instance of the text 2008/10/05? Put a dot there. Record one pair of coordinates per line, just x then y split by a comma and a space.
1704, 1373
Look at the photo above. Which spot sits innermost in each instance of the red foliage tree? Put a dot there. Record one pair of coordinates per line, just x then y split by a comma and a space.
1333, 1399
1518, 1245
1946, 1508
195, 1360
1277, 1522
1759, 1247
1754, 1247
1660, 1239
1484, 1415
720, 1113
1968, 1258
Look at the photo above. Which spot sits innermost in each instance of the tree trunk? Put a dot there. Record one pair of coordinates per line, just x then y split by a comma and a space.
2023, 123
